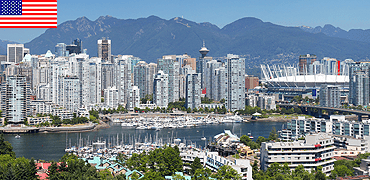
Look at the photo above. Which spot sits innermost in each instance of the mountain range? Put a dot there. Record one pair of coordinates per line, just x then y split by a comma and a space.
330, 30
259, 42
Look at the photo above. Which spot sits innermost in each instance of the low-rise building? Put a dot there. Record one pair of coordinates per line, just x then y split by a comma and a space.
213, 161
316, 150
364, 168
335, 125
350, 146
38, 120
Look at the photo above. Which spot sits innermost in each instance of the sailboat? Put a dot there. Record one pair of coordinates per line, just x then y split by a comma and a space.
250, 135
203, 138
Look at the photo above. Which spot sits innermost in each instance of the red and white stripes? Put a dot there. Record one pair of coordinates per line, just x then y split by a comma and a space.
35, 14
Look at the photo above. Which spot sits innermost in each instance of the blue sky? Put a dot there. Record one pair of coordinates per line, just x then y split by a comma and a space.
344, 14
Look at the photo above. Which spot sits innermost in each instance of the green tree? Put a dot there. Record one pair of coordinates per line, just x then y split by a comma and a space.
177, 177
227, 173
5, 147
105, 174
341, 171
319, 174
261, 139
195, 165
135, 176
273, 134
202, 174
76, 169
153, 175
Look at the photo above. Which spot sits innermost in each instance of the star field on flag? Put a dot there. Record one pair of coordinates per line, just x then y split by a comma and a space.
28, 13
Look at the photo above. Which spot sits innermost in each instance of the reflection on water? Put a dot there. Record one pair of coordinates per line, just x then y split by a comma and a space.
50, 146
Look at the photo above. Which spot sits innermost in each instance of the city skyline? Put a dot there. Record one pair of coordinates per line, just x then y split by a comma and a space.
339, 14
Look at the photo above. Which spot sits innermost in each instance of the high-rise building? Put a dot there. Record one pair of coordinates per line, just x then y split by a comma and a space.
192, 62
134, 98
170, 66
15, 52
107, 75
104, 49
60, 50
152, 71
251, 82
220, 84
123, 79
111, 97
304, 62
91, 82
160, 89
209, 75
184, 71
235, 99
201, 64
359, 83
15, 99
69, 93
75, 47
193, 91
329, 96
140, 78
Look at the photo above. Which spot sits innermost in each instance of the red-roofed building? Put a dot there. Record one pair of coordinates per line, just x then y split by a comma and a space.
42, 170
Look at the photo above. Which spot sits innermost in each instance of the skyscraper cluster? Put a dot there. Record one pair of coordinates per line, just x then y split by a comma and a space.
70, 80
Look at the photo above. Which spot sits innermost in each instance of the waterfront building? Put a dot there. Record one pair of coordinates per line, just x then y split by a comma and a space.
41, 107
152, 71
235, 98
219, 84
15, 52
329, 96
104, 49
335, 125
170, 66
214, 161
15, 99
90, 82
123, 79
316, 150
61, 50
359, 83
262, 100
111, 97
160, 90
350, 146
142, 78
193, 91
209, 76
38, 120
304, 62
134, 98
69, 93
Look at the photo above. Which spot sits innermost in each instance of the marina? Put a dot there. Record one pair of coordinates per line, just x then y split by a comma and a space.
159, 123
51, 146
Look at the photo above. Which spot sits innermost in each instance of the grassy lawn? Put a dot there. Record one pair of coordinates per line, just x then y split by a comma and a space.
289, 115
